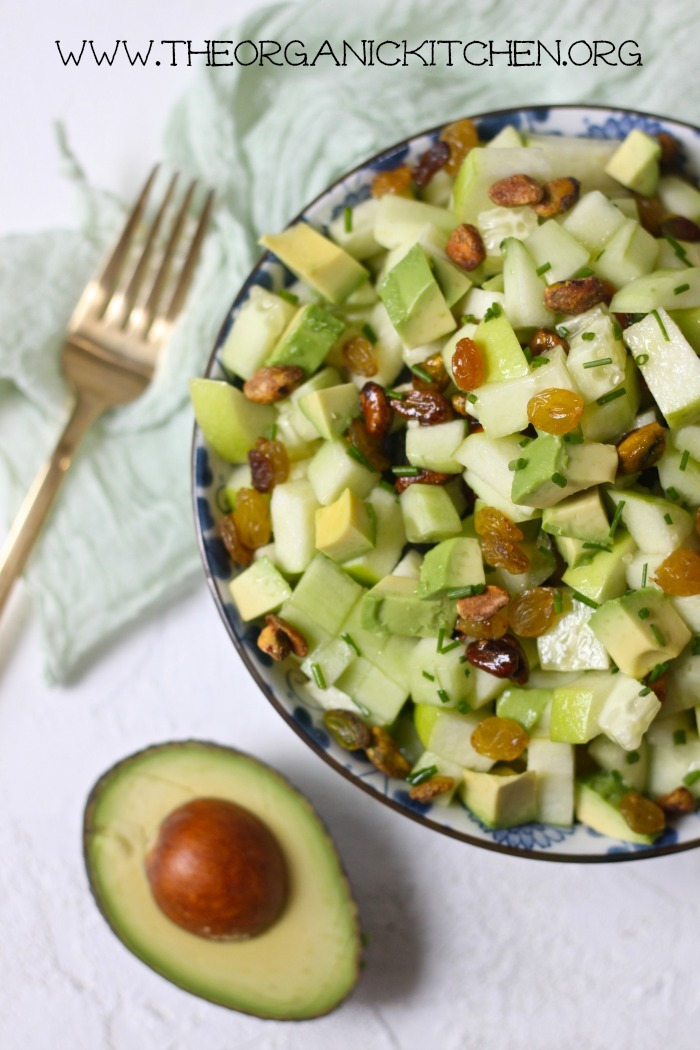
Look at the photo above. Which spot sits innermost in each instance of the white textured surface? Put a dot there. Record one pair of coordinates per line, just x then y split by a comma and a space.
468, 949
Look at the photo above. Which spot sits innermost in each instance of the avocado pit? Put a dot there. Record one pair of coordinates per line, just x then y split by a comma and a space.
217, 871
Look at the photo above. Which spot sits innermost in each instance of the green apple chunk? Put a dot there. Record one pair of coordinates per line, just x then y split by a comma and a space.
230, 423
670, 366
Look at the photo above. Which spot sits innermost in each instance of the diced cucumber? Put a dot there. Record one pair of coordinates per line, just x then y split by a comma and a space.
675, 766
495, 224
570, 644
258, 326
679, 474
633, 766
353, 229
630, 253
615, 417
324, 594
655, 524
390, 540
501, 408
553, 764
583, 157
399, 220
438, 677
679, 197
372, 690
593, 220
488, 473
524, 288
449, 734
667, 289
293, 511
556, 252
433, 448
479, 301
326, 662
628, 711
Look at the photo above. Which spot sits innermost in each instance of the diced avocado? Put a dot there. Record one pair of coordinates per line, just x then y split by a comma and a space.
582, 516
500, 800
543, 463
572, 155
500, 348
438, 677
452, 282
523, 705
570, 645
332, 470
598, 799
394, 606
573, 551
429, 514
414, 302
670, 366
442, 768
433, 448
553, 765
628, 711
309, 336
449, 734
638, 643
450, 565
482, 167
635, 163
331, 409
605, 575
317, 261
256, 329
580, 467
259, 589
345, 529
632, 766
324, 594
656, 525
230, 423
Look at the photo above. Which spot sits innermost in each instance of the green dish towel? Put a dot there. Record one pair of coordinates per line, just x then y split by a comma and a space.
268, 138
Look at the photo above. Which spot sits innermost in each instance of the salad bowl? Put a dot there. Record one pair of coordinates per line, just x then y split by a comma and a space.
284, 686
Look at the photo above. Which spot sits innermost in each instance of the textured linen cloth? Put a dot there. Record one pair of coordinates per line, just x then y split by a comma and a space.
268, 138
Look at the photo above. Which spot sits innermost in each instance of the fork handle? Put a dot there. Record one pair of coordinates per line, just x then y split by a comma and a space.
40, 497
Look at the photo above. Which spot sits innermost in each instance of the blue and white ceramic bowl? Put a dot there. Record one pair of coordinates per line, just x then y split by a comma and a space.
284, 687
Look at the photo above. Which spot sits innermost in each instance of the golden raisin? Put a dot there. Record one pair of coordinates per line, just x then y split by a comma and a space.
465, 247
424, 477
494, 626
489, 521
532, 612
269, 464
360, 356
546, 339
396, 181
697, 521
641, 448
272, 383
468, 366
237, 550
251, 517
679, 574
461, 136
502, 739
502, 553
555, 410
641, 814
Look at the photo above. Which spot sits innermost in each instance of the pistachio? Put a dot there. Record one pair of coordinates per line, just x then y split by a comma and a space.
384, 753
516, 190
272, 383
465, 247
641, 448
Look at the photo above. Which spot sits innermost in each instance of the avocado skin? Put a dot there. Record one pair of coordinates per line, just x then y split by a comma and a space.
89, 829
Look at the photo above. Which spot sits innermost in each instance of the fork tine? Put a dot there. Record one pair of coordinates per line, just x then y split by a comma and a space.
109, 276
187, 272
124, 304
148, 314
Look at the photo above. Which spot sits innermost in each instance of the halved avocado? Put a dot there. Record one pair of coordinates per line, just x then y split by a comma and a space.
301, 966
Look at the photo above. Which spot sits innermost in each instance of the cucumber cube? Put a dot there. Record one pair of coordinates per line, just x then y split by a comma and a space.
372, 690
414, 302
679, 197
390, 539
449, 735
524, 288
553, 765
628, 711
429, 514
359, 241
501, 408
630, 253
436, 677
669, 365
325, 594
593, 220
259, 589
326, 662
523, 705
553, 247
571, 645
633, 766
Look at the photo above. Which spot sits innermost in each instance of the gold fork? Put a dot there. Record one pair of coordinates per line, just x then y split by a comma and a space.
113, 341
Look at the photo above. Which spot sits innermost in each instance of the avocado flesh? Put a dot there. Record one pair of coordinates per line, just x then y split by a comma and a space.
304, 964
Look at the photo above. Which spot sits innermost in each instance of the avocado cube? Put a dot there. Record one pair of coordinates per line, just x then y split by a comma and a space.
319, 262
500, 800
582, 516
542, 460
345, 529
598, 798
394, 606
640, 630
635, 163
605, 575
330, 410
259, 589
414, 302
450, 565
308, 338
429, 514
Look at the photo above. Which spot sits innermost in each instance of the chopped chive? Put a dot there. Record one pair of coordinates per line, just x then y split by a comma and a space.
289, 296
349, 640
655, 315
679, 250
641, 359
673, 494
421, 775
270, 432
524, 442
528, 354
464, 707
656, 672
387, 486
600, 255
598, 363
444, 696
658, 637
644, 614
679, 737
645, 572
541, 270
422, 374
616, 518
690, 778
612, 395
631, 757
588, 336
614, 670
463, 659
468, 591
429, 676
488, 569
668, 519
539, 360
585, 271
684, 460
468, 319
573, 439
559, 480
544, 550
355, 454
593, 546
558, 602
681, 288
467, 671
695, 647
472, 399
494, 310
361, 707
585, 599
347, 218
617, 331
517, 464
449, 648
369, 332
318, 676
405, 472
440, 638
562, 331
397, 395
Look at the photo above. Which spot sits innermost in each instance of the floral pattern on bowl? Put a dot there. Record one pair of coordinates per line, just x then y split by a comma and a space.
286, 689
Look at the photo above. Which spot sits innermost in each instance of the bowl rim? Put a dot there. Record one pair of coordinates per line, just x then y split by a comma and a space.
420, 818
